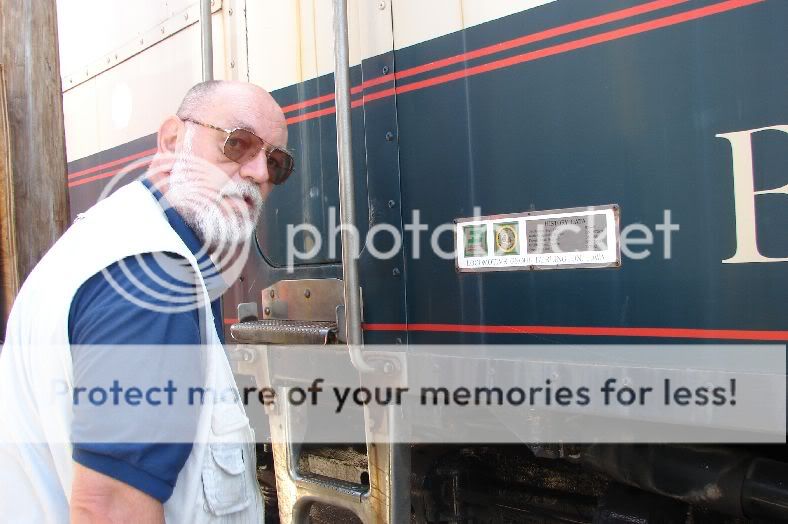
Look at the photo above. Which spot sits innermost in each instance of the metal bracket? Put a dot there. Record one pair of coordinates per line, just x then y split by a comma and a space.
305, 299
294, 312
308, 300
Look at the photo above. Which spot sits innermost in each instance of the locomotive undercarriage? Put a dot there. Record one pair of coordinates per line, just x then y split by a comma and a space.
563, 484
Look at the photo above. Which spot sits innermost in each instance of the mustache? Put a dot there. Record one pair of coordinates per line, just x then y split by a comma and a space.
242, 189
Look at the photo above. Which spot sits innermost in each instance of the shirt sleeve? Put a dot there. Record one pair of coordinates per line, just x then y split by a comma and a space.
133, 302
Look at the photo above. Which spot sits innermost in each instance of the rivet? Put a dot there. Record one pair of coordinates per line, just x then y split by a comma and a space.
398, 340
230, 12
272, 293
385, 70
382, 5
389, 136
108, 60
162, 30
392, 203
395, 271
142, 41
307, 293
267, 311
232, 63
185, 16
388, 368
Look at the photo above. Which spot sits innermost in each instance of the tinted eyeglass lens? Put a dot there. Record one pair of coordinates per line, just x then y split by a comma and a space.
241, 146
280, 165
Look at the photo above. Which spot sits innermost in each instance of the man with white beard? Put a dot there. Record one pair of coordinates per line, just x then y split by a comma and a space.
143, 267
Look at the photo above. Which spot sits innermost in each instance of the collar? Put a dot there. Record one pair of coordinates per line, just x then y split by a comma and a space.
210, 273
214, 282
177, 222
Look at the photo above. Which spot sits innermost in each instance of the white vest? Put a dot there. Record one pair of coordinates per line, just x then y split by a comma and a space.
218, 482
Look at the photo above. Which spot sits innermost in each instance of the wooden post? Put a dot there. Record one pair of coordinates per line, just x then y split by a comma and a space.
9, 277
34, 187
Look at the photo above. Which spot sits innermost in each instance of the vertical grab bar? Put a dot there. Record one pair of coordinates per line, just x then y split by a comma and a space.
347, 209
206, 33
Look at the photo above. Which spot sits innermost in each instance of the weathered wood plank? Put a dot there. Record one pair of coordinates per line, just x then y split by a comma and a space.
9, 276
37, 182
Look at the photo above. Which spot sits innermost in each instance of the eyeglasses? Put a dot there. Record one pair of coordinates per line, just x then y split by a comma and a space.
241, 145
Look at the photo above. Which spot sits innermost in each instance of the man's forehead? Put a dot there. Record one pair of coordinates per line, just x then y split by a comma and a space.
267, 126
249, 108
254, 123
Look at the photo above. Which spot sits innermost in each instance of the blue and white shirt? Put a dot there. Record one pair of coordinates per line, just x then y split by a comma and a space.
100, 315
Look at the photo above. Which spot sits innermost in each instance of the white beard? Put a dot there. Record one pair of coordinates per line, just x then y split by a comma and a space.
219, 224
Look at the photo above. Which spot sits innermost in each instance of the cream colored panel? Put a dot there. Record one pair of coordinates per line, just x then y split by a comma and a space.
291, 41
365, 19
130, 100
221, 64
233, 21
273, 33
90, 29
369, 32
354, 33
176, 6
307, 45
375, 34
475, 12
81, 121
324, 35
419, 20
135, 96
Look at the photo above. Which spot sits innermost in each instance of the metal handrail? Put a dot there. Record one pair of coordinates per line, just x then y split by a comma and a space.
206, 34
347, 210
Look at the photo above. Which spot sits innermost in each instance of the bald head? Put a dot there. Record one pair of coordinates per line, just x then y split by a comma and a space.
234, 104
197, 97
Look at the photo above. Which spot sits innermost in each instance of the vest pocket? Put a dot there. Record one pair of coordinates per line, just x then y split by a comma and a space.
224, 480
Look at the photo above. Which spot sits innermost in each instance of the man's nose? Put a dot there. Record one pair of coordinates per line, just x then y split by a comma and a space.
256, 169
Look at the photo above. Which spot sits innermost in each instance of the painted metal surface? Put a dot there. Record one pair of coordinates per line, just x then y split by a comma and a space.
291, 41
312, 193
568, 104
146, 28
131, 99
631, 119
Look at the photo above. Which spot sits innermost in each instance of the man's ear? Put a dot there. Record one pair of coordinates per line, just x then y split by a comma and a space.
170, 134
